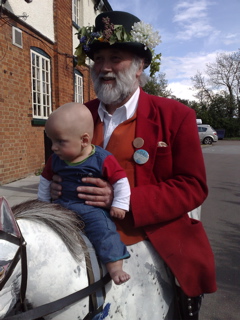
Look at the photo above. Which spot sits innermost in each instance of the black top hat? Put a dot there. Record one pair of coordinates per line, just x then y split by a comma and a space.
117, 18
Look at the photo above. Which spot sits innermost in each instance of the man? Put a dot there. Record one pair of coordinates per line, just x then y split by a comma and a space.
156, 141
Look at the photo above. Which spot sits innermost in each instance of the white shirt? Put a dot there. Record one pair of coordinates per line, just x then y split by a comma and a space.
121, 114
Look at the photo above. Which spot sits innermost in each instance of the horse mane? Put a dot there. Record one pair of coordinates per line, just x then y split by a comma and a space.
62, 221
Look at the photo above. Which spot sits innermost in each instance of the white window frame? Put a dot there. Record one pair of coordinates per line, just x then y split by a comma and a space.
41, 85
78, 88
76, 11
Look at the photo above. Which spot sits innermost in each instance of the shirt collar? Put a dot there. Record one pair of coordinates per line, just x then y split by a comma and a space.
130, 106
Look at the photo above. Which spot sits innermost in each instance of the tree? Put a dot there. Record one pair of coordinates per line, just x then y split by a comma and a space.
157, 86
225, 74
236, 58
204, 92
155, 63
223, 77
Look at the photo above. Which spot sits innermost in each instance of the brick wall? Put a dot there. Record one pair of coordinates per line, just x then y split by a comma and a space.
63, 60
22, 144
22, 148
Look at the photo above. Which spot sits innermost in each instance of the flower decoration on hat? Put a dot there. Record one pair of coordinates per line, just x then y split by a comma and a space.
141, 33
144, 33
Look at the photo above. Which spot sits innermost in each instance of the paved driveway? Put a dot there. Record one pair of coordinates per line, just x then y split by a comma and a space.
221, 218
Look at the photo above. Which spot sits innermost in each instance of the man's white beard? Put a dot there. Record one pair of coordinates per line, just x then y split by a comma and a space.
125, 84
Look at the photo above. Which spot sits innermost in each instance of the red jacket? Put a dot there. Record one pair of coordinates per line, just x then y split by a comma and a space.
170, 184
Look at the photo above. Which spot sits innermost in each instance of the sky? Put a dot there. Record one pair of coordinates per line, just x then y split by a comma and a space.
192, 32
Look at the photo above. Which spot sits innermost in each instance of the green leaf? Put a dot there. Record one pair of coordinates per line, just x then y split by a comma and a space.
118, 34
81, 55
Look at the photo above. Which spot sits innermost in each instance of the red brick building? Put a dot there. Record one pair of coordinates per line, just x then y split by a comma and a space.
38, 73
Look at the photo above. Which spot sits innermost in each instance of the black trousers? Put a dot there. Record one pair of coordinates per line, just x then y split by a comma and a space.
186, 308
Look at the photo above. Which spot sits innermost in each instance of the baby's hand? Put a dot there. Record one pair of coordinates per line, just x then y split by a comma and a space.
117, 213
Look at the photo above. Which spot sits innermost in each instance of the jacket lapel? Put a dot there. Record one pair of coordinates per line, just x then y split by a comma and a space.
147, 129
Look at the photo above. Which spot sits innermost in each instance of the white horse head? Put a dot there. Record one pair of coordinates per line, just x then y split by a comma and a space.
57, 268
10, 290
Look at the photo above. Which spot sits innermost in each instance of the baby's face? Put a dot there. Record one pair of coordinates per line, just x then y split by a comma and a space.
65, 144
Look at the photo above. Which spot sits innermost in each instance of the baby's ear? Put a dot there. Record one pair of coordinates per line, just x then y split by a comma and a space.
85, 139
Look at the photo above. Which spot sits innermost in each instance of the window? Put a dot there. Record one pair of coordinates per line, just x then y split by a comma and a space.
41, 84
202, 129
78, 87
17, 37
99, 5
76, 12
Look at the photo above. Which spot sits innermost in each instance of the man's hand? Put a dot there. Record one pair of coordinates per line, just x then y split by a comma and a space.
100, 195
55, 187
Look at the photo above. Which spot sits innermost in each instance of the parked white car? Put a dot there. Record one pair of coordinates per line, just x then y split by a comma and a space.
207, 134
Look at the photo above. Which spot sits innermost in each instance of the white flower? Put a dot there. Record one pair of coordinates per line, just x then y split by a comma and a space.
144, 33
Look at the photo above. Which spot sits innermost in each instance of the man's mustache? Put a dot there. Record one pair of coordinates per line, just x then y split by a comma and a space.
107, 76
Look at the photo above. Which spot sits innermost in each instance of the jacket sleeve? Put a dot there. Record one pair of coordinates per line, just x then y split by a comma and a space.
121, 191
44, 190
45, 182
116, 176
179, 173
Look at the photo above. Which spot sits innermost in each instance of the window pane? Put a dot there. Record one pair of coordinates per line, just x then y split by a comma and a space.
38, 86
34, 84
33, 59
37, 61
37, 73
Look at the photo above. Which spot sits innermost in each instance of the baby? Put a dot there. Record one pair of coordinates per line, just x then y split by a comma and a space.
70, 128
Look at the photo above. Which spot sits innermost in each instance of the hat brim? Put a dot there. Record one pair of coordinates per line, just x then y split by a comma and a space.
134, 47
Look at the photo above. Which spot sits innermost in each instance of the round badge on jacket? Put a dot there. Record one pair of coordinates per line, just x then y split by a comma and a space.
138, 142
141, 156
